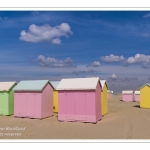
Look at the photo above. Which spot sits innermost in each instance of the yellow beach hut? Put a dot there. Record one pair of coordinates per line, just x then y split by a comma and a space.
104, 101
145, 96
55, 96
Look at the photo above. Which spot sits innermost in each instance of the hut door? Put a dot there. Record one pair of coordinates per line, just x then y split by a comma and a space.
1, 103
31, 105
69, 107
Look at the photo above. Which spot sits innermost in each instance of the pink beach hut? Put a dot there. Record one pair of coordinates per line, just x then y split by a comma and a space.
137, 96
33, 99
79, 99
127, 96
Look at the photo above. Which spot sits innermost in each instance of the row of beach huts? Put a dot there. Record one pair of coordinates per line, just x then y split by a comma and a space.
142, 95
74, 99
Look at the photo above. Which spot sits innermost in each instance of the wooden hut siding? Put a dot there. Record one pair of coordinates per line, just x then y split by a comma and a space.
4, 103
27, 104
55, 96
98, 102
104, 99
47, 101
7, 98
127, 96
77, 106
145, 96
137, 96
81, 105
35, 101
55, 101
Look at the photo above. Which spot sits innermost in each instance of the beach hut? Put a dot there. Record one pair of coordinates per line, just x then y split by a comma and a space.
104, 100
33, 99
79, 100
7, 98
109, 95
127, 96
137, 96
145, 96
55, 96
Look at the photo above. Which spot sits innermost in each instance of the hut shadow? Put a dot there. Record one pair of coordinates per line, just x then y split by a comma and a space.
137, 106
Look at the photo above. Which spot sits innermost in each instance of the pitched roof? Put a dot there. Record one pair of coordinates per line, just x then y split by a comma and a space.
147, 84
78, 84
55, 84
31, 85
103, 82
127, 92
6, 86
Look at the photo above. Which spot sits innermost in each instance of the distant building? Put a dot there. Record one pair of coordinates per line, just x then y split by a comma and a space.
137, 96
127, 96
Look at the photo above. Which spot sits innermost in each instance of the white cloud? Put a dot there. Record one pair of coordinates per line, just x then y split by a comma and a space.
46, 33
142, 59
113, 76
56, 41
112, 58
147, 15
94, 64
53, 62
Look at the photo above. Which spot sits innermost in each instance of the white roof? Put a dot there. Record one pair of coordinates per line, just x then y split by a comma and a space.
137, 92
111, 91
6, 86
127, 92
78, 84
103, 83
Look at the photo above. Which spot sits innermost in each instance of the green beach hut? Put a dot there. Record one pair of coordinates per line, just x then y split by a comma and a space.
7, 98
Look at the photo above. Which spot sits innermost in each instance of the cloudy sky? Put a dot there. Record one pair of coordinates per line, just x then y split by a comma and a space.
112, 45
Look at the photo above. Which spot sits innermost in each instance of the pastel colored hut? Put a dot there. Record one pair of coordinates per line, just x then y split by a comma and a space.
104, 100
109, 97
145, 96
33, 99
79, 100
137, 96
55, 96
127, 96
7, 98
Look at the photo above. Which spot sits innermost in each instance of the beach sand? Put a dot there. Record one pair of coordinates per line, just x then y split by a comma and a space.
125, 120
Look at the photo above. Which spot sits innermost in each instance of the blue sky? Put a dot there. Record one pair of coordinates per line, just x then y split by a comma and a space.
113, 45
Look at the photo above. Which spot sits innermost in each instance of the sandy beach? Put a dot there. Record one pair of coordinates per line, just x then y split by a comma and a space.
125, 120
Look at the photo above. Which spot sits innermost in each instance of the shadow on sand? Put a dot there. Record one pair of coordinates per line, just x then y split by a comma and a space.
121, 100
137, 106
